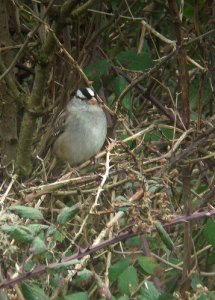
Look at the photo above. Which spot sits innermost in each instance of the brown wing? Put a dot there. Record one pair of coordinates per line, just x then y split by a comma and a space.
58, 128
59, 125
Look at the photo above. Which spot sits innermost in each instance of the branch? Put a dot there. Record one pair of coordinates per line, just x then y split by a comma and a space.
186, 172
38, 271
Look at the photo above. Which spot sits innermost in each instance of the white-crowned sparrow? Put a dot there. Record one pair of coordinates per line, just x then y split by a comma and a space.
81, 129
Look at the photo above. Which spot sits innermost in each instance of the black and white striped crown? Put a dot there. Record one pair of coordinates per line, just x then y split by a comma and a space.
85, 93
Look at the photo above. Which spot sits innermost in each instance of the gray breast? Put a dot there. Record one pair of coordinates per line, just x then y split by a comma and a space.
84, 135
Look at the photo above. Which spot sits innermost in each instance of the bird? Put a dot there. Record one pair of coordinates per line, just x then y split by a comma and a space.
80, 130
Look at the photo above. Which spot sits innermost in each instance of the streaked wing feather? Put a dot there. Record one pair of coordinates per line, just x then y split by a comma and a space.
59, 125
58, 128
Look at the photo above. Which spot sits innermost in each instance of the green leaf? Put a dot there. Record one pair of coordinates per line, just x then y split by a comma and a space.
20, 233
33, 292
203, 297
207, 296
153, 136
38, 246
122, 203
68, 213
77, 296
83, 277
128, 280
125, 297
122, 136
166, 296
29, 265
164, 236
116, 269
195, 281
201, 188
65, 264
133, 242
154, 187
37, 228
26, 212
150, 292
51, 230
55, 233
188, 10
97, 70
121, 198
168, 133
211, 258
115, 4
119, 85
133, 61
208, 231
148, 264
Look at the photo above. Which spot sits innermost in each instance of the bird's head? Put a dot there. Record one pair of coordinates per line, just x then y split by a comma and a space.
86, 94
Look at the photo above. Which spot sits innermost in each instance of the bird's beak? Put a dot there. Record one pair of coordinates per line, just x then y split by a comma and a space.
92, 101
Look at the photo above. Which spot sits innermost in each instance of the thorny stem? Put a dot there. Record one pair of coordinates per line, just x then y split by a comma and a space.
186, 172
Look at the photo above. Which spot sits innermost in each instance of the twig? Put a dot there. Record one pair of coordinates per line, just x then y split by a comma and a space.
4, 196
104, 177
